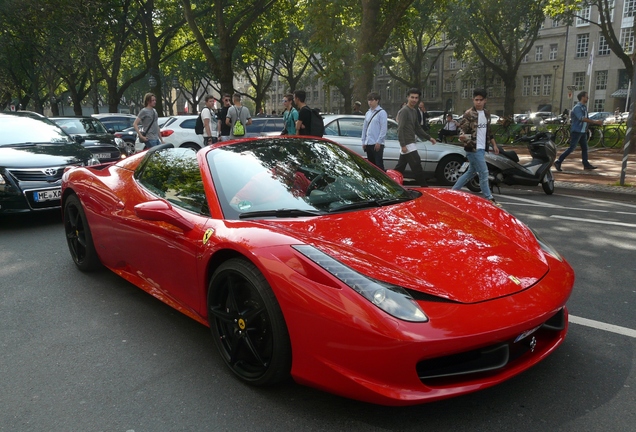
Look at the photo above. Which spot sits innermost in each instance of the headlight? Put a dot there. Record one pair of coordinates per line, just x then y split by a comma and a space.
92, 161
120, 142
392, 299
547, 247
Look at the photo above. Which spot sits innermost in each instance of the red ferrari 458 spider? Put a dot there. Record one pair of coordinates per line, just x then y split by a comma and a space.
307, 261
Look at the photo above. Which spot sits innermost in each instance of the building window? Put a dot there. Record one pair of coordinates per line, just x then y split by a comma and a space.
582, 45
464, 89
599, 105
526, 58
603, 46
578, 79
601, 80
536, 85
432, 89
538, 53
553, 51
547, 85
555, 23
629, 8
525, 91
583, 17
452, 62
627, 40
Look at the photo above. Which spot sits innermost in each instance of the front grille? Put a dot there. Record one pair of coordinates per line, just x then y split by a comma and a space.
490, 358
51, 175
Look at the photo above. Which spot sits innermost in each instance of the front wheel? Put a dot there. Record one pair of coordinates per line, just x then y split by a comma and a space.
247, 324
548, 183
447, 172
78, 236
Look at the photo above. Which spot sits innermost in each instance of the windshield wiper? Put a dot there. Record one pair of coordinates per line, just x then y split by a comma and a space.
370, 203
280, 213
389, 201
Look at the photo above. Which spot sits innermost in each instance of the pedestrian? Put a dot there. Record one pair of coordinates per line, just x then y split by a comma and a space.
476, 136
303, 124
451, 128
578, 132
235, 113
146, 124
422, 116
356, 108
209, 121
222, 126
408, 127
374, 131
290, 115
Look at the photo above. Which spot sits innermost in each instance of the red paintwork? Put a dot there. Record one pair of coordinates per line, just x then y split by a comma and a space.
446, 243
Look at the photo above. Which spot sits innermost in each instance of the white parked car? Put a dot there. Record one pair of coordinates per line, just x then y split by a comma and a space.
441, 119
441, 161
179, 131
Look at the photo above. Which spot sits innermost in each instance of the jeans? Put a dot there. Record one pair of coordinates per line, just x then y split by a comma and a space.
577, 138
375, 157
414, 161
152, 143
477, 160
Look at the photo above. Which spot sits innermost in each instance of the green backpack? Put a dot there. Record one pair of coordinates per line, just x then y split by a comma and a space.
238, 129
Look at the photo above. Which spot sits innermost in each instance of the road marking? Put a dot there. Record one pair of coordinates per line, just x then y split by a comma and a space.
601, 201
603, 326
600, 222
533, 203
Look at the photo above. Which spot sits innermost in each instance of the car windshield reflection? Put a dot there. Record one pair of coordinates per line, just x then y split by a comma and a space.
292, 177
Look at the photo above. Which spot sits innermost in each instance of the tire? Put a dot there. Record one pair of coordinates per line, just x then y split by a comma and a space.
247, 324
79, 237
561, 137
194, 146
130, 148
473, 184
548, 183
594, 137
447, 171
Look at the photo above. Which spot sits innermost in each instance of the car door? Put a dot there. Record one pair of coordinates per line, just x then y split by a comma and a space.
162, 225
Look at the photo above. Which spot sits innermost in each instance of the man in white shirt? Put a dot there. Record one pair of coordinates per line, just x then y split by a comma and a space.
476, 136
451, 128
374, 131
209, 122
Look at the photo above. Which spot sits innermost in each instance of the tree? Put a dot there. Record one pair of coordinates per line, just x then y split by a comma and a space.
218, 30
569, 10
501, 33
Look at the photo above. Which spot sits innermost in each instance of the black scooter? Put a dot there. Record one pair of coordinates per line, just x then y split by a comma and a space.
505, 168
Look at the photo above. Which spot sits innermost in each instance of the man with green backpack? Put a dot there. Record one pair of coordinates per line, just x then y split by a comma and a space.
238, 117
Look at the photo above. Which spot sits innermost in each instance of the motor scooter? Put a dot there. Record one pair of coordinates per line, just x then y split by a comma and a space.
504, 168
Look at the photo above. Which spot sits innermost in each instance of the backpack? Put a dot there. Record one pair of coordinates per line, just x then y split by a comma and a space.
198, 126
238, 129
317, 126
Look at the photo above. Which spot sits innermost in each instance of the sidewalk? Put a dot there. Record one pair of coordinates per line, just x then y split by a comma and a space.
606, 178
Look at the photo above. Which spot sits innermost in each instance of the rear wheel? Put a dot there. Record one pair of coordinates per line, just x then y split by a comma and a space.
78, 236
247, 324
473, 184
193, 146
447, 171
548, 183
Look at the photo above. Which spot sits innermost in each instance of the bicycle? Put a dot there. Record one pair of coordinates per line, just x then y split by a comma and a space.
509, 131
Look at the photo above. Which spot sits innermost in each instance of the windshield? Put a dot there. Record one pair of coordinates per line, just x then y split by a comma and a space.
81, 126
25, 130
283, 177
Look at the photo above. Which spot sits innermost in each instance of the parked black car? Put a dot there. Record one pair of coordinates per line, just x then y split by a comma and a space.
265, 126
94, 137
33, 155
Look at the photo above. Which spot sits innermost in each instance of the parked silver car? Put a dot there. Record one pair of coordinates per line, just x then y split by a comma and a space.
441, 161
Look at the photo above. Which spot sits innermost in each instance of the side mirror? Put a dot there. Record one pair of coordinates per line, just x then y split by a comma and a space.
161, 210
78, 139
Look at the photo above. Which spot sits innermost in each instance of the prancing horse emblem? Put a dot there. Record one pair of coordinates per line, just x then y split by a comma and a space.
533, 344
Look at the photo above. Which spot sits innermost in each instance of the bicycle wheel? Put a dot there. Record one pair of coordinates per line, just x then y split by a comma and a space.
594, 137
502, 136
610, 135
562, 137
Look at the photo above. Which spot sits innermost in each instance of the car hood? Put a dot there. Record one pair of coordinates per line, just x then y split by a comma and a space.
43, 155
432, 246
98, 139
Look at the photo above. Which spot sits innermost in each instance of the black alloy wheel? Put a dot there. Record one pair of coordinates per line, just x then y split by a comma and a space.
78, 236
247, 324
447, 172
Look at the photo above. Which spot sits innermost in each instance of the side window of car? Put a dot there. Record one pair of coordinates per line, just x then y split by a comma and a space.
188, 124
351, 127
274, 125
391, 131
332, 128
173, 174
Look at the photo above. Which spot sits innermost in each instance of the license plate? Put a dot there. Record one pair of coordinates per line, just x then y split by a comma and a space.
48, 195
101, 156
525, 334
464, 167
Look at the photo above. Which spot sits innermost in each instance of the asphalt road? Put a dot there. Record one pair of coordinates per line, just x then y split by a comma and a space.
90, 352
